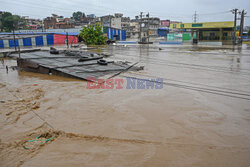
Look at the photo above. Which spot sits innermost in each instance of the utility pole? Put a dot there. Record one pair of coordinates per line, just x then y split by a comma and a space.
14, 37
195, 17
148, 26
19, 52
243, 13
42, 26
235, 12
67, 39
140, 22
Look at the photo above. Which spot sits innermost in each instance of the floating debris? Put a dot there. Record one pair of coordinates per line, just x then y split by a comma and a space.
38, 141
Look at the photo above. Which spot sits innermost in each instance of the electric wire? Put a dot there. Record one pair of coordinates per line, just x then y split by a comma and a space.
26, 107
207, 87
216, 92
191, 66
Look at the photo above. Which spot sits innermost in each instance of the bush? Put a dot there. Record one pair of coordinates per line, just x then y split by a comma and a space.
93, 35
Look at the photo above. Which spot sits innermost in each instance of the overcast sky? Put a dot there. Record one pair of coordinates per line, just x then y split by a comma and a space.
178, 10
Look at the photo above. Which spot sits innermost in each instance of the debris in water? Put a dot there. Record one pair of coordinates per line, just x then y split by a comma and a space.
38, 141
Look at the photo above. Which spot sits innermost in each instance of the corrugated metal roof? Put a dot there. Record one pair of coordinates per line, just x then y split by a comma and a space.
40, 33
25, 33
65, 65
69, 33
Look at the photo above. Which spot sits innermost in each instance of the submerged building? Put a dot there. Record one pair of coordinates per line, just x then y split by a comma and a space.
208, 31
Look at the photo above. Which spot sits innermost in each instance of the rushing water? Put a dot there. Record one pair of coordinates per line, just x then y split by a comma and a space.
201, 117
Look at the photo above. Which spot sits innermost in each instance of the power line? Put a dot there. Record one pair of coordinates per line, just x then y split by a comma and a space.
169, 16
188, 17
216, 13
94, 9
195, 88
229, 90
26, 108
72, 2
53, 9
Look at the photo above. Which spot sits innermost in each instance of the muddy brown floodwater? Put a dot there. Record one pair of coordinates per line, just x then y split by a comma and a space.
201, 117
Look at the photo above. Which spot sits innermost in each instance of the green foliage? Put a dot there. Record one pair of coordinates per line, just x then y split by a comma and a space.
8, 22
248, 34
78, 15
93, 35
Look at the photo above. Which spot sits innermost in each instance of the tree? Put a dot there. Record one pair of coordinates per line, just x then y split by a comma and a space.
78, 15
83, 14
93, 35
248, 34
8, 22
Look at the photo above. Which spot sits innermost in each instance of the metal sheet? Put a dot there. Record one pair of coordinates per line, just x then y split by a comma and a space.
27, 42
69, 66
12, 43
39, 41
1, 44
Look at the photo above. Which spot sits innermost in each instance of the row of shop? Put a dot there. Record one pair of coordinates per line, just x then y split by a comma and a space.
207, 31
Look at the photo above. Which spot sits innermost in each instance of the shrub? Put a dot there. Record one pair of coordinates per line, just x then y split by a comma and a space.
93, 35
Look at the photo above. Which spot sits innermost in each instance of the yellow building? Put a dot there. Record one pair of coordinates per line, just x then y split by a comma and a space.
215, 31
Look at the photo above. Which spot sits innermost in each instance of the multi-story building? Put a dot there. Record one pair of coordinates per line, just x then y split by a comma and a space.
120, 22
33, 24
116, 21
149, 26
49, 22
133, 30
57, 22
125, 23
106, 20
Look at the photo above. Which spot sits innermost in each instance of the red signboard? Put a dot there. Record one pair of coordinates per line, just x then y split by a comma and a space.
165, 23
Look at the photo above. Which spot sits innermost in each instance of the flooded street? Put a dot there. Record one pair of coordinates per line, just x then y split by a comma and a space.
201, 117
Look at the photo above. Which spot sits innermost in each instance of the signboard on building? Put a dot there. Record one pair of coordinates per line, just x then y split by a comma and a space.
165, 23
